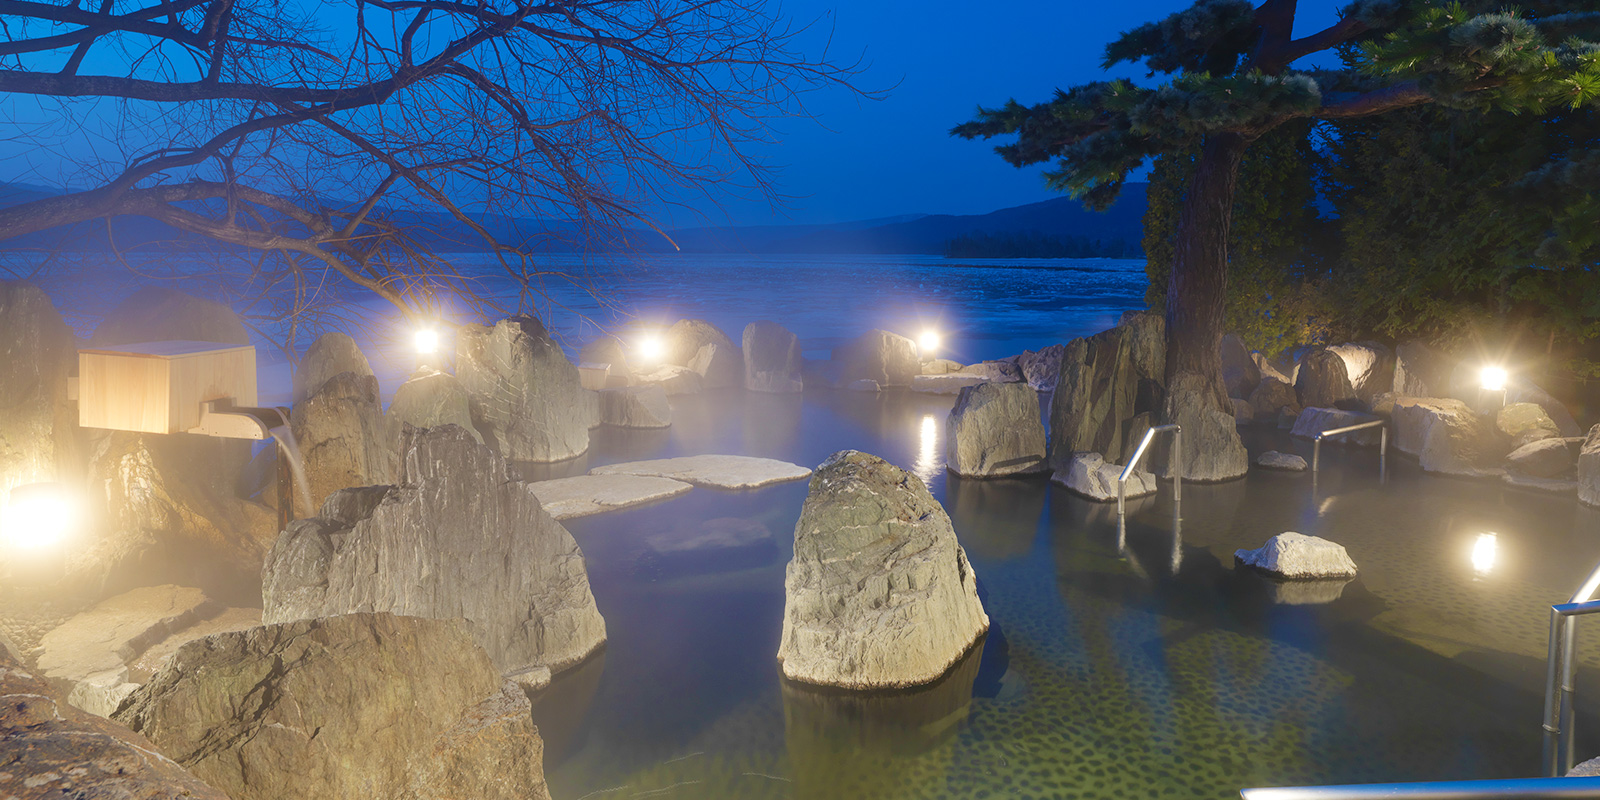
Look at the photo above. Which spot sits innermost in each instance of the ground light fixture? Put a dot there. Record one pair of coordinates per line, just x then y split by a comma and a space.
650, 348
39, 517
928, 342
1493, 378
426, 340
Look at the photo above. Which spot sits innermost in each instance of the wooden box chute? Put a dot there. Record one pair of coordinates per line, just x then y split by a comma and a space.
161, 387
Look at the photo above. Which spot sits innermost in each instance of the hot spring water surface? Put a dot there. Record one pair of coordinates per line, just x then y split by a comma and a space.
1158, 671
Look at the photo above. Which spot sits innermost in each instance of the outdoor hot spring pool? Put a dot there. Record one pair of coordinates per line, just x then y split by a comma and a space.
1157, 670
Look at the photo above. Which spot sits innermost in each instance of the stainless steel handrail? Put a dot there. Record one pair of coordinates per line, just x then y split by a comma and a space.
1138, 454
1383, 443
1436, 790
1560, 668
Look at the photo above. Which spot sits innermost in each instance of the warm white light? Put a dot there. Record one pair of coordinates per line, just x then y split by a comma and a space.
427, 341
929, 342
1493, 378
38, 516
928, 452
1484, 551
651, 348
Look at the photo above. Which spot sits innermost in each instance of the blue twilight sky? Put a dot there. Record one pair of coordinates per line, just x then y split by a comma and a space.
890, 157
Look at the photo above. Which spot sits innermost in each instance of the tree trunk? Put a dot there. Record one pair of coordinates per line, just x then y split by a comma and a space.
1197, 287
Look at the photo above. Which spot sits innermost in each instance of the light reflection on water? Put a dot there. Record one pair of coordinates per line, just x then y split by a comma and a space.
1151, 669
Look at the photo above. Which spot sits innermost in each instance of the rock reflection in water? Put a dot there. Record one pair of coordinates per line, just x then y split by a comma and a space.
561, 709
995, 519
771, 422
858, 744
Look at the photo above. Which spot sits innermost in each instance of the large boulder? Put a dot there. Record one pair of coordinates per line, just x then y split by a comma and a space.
1542, 458
331, 354
719, 365
49, 749
1446, 436
1323, 381
458, 537
1240, 373
39, 437
158, 314
1212, 450
879, 594
945, 384
1589, 468
342, 437
772, 360
674, 380
611, 351
1296, 556
1091, 476
1523, 423
429, 399
888, 358
1109, 390
1369, 367
1272, 397
1313, 421
1420, 370
1522, 390
995, 430
527, 400
682, 341
1040, 368
995, 371
635, 407
363, 705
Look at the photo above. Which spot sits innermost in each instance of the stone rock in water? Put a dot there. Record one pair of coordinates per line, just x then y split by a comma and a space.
675, 381
157, 314
1091, 476
1272, 396
720, 365
879, 594
888, 358
331, 354
635, 407
944, 366
1212, 450
772, 361
1040, 368
1420, 371
1323, 381
994, 430
1369, 367
343, 439
945, 384
1589, 468
428, 400
1107, 381
1544, 458
51, 750
1313, 421
608, 350
1446, 436
1289, 462
1239, 371
1296, 556
1526, 421
1243, 412
364, 705
721, 472
994, 371
458, 537
527, 400
684, 340
1522, 390
582, 495
39, 437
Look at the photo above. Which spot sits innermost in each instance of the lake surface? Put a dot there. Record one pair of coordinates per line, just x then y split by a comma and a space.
1154, 669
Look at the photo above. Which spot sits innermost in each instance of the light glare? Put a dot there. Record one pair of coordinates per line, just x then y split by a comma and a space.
928, 342
651, 348
427, 341
38, 516
1484, 551
1493, 378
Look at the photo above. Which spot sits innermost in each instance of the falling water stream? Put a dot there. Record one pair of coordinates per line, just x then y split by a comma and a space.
287, 446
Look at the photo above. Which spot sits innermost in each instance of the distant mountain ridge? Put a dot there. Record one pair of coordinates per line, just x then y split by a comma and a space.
1060, 219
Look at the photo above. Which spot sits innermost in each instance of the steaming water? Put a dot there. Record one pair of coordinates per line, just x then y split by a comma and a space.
287, 446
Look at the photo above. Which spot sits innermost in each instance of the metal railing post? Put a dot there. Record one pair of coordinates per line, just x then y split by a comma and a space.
1383, 444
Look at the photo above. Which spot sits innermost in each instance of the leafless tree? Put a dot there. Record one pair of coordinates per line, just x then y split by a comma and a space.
348, 144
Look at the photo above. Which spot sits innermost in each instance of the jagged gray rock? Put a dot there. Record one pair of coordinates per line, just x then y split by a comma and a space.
1323, 381
1272, 397
1522, 390
362, 705
342, 437
1040, 368
1543, 458
1446, 436
527, 400
1212, 450
636, 407
878, 355
1524, 423
429, 399
1091, 476
1240, 373
995, 430
879, 594
772, 361
39, 436
684, 339
1109, 390
458, 537
994, 371
1369, 366
720, 365
1288, 462
331, 354
1420, 370
1589, 468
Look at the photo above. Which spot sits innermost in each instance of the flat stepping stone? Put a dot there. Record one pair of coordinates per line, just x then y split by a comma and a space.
720, 472
583, 495
1288, 462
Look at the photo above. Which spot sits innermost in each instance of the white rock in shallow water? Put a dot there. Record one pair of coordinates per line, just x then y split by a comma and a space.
1297, 556
583, 495
1273, 459
722, 472
1089, 475
864, 385
879, 594
945, 384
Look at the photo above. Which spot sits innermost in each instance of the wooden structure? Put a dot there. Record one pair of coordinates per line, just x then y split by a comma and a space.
163, 387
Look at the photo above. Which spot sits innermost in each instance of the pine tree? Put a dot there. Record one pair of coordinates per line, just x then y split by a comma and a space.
1233, 81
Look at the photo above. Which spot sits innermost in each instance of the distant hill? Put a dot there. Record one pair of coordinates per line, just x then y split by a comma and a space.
1115, 231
